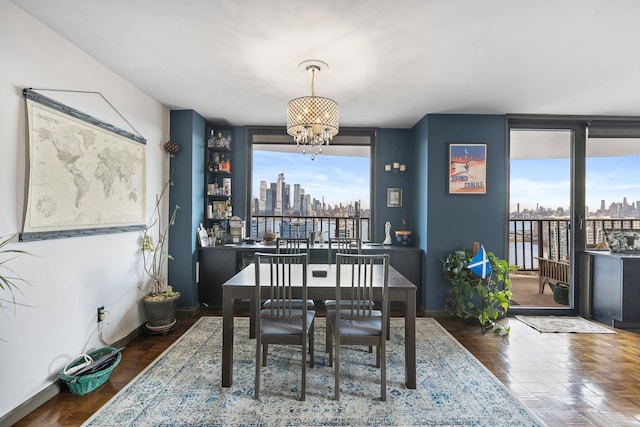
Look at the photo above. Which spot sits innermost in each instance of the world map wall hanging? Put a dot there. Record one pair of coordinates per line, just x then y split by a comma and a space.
84, 176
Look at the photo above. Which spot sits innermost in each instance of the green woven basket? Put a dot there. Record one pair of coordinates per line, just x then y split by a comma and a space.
84, 384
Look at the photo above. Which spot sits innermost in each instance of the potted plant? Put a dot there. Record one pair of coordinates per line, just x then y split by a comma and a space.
8, 277
403, 237
160, 300
471, 296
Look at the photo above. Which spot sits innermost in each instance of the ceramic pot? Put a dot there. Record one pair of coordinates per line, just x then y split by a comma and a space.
162, 312
403, 237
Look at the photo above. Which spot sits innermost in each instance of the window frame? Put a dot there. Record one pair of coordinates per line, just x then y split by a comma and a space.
347, 136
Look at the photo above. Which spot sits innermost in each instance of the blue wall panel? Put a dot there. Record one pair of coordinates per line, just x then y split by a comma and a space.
455, 221
187, 129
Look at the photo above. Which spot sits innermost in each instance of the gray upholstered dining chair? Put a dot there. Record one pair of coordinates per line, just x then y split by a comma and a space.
357, 277
343, 245
293, 245
282, 323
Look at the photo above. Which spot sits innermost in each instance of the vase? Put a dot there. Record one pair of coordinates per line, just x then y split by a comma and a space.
161, 314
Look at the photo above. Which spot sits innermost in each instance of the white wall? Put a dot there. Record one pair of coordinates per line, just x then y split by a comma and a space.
70, 277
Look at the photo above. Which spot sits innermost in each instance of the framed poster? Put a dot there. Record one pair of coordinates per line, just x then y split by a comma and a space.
394, 197
467, 169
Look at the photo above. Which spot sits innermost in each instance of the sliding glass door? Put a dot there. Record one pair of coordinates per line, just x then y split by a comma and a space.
540, 212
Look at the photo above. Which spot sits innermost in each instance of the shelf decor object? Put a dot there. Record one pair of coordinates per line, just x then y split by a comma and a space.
312, 120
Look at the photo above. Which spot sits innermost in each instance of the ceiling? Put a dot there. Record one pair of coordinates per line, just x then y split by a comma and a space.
390, 62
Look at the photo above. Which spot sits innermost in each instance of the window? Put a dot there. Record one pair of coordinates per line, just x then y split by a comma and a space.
292, 195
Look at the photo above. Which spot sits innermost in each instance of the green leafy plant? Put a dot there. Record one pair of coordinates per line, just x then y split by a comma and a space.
9, 279
471, 296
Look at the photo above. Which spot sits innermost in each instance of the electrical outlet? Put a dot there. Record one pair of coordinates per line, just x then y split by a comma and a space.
100, 314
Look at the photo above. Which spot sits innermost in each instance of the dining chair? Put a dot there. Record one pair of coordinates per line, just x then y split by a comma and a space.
282, 323
344, 245
293, 245
357, 323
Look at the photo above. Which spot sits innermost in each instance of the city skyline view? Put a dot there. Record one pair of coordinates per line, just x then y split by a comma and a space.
546, 182
339, 179
533, 182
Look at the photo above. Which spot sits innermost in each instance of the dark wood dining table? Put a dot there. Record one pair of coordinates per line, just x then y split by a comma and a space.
242, 287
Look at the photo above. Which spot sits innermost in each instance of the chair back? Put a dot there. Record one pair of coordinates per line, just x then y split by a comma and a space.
278, 280
293, 245
344, 245
359, 279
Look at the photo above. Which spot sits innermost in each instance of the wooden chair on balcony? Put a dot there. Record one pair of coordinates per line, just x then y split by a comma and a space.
550, 270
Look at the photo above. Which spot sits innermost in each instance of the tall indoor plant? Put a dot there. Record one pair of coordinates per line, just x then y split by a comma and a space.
473, 297
160, 299
9, 278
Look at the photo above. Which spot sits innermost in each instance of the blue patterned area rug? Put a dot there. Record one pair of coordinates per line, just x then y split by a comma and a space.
182, 386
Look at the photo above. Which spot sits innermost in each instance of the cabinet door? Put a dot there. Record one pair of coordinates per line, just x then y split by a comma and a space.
217, 265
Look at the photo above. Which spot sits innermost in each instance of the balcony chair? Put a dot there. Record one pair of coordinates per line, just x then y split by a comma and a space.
282, 324
357, 276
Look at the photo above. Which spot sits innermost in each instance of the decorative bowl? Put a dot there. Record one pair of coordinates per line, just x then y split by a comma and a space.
403, 237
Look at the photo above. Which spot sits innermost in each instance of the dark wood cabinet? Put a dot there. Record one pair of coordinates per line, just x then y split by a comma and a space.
218, 264
615, 289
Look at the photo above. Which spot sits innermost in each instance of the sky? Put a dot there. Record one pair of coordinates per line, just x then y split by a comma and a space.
339, 179
536, 181
547, 182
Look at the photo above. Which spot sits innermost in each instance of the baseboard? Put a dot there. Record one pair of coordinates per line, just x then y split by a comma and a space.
42, 397
27, 407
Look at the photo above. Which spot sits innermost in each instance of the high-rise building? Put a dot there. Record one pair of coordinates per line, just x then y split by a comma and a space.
262, 200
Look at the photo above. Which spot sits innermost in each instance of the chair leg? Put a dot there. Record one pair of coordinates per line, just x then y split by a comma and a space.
311, 342
327, 337
329, 348
303, 379
265, 349
256, 387
383, 370
337, 368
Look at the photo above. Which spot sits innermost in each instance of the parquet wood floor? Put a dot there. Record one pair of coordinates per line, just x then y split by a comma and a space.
565, 379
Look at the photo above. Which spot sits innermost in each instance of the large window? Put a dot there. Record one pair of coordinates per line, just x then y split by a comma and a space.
292, 195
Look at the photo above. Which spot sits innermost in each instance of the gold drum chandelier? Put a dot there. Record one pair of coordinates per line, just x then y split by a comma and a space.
312, 121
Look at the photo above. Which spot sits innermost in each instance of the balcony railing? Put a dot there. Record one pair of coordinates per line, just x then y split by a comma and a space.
302, 226
549, 238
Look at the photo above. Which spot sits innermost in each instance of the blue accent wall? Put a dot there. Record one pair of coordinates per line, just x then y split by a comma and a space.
449, 221
440, 222
402, 140
187, 129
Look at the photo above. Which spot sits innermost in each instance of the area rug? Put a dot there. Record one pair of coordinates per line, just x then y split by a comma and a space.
564, 324
182, 386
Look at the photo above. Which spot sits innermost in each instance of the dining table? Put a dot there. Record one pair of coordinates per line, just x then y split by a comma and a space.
320, 287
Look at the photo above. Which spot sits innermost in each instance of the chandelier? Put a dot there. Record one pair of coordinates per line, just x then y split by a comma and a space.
312, 120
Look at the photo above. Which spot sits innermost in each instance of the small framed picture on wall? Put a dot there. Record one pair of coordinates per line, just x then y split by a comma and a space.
394, 197
467, 169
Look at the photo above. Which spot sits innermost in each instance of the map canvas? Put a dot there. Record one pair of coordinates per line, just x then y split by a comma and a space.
81, 176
